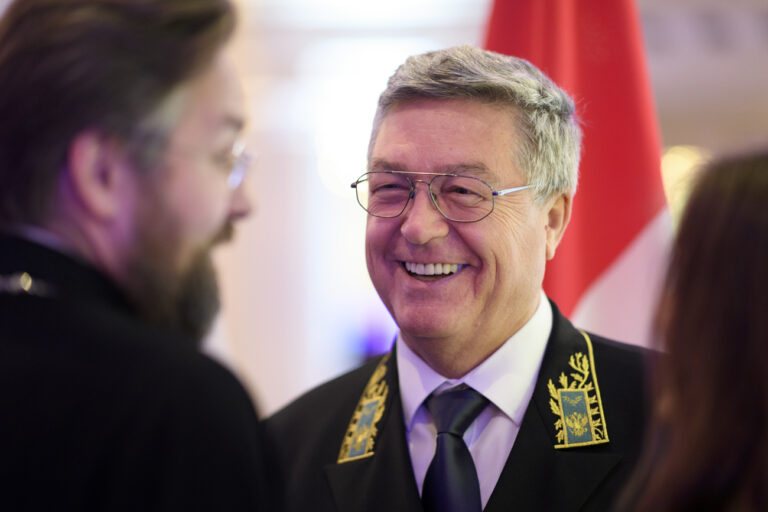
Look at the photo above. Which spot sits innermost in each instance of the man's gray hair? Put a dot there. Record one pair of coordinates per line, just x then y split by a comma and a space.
549, 145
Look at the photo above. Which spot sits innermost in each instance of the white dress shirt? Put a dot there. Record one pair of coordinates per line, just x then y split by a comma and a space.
506, 379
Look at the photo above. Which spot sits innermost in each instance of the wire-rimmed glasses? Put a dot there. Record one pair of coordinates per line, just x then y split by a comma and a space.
458, 198
238, 161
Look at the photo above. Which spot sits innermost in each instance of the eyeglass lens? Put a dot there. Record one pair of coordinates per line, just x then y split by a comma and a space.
239, 163
460, 198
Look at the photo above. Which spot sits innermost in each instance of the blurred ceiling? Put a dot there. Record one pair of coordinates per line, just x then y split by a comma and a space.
709, 66
708, 59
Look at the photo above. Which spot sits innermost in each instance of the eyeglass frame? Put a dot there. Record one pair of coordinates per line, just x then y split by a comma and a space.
240, 160
236, 162
432, 196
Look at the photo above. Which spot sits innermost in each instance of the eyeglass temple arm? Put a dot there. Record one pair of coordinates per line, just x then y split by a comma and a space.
509, 190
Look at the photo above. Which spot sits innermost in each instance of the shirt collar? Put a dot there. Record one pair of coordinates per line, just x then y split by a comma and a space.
506, 378
39, 236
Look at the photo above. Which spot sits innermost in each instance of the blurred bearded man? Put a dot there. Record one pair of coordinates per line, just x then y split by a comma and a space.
120, 170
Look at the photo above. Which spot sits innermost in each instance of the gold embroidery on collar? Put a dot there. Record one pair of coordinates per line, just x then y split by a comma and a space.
361, 434
577, 403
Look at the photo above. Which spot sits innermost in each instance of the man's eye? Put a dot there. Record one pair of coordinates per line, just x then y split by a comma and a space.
222, 159
386, 187
463, 191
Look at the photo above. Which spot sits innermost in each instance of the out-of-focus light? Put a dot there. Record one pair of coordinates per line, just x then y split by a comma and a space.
349, 86
678, 165
356, 15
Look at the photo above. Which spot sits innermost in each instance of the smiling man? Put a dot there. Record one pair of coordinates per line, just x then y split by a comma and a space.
120, 171
490, 398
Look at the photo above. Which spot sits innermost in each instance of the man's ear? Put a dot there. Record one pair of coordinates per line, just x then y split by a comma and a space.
95, 173
558, 216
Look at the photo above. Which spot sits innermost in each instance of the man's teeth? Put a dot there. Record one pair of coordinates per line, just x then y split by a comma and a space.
432, 269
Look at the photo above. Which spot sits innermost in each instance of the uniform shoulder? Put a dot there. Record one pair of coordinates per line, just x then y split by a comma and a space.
162, 370
334, 398
307, 434
622, 370
620, 346
612, 350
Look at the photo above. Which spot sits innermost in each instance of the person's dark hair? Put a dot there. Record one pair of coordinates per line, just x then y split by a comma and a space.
708, 445
72, 65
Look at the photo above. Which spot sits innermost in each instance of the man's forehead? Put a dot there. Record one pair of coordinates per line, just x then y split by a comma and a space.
220, 93
212, 102
472, 168
472, 136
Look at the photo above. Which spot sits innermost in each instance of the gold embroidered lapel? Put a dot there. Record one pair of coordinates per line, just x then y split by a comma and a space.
577, 403
361, 434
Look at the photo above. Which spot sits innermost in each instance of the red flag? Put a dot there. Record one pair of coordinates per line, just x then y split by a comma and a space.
594, 51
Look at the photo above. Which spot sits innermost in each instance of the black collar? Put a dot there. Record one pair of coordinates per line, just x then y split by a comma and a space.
56, 274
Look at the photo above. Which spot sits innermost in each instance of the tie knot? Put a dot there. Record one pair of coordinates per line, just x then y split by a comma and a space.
454, 410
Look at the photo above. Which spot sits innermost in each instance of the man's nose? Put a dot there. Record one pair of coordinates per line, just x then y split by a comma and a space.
240, 205
422, 221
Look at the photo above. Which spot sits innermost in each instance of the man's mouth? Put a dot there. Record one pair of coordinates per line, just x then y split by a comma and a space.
225, 234
431, 270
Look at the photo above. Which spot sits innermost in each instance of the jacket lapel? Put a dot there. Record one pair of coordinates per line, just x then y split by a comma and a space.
537, 476
382, 480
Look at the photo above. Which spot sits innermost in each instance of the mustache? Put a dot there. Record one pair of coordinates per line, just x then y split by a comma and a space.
224, 235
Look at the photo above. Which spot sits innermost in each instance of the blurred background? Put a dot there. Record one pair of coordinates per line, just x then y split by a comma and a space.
298, 305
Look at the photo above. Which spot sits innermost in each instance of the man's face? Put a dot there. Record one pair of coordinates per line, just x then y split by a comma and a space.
501, 258
188, 206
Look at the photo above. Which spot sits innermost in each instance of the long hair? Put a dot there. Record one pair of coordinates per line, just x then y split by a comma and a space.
708, 444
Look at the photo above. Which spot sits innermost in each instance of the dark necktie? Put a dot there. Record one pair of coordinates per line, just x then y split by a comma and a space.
451, 483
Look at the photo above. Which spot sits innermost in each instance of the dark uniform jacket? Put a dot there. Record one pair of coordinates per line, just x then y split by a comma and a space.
99, 411
342, 446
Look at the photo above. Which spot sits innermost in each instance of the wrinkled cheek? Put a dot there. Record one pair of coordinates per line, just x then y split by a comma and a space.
382, 282
369, 260
380, 274
374, 249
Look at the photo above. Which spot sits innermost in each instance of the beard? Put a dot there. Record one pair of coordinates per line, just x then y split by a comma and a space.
186, 299
196, 302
